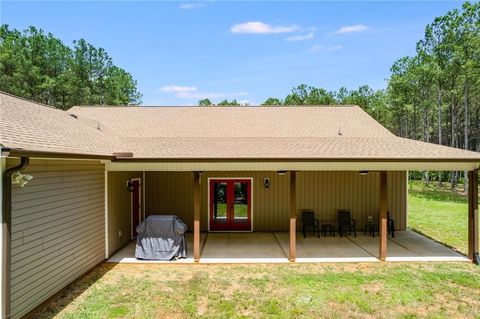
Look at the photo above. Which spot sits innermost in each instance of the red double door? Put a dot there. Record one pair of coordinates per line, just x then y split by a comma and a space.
230, 204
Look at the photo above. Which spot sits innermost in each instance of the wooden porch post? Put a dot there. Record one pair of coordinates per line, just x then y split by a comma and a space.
383, 216
473, 216
196, 216
293, 214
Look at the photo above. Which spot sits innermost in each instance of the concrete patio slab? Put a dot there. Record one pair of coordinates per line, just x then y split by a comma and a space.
242, 248
422, 248
127, 253
325, 249
409, 246
266, 247
371, 245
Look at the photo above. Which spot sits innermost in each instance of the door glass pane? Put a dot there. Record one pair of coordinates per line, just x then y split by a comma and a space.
219, 201
240, 207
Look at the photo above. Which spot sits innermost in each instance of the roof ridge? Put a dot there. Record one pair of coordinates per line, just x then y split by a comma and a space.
218, 106
262, 137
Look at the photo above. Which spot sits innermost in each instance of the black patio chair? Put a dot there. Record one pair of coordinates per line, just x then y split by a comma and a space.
309, 221
346, 223
390, 225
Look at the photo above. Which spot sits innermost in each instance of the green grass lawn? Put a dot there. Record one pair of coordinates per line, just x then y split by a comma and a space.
392, 290
439, 213
240, 210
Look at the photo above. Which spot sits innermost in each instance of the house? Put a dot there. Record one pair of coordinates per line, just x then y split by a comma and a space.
98, 171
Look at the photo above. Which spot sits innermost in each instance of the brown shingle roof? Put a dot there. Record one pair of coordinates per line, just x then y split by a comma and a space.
311, 132
333, 148
242, 122
35, 127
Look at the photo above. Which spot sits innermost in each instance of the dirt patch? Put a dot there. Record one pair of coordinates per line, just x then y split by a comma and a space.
202, 305
373, 288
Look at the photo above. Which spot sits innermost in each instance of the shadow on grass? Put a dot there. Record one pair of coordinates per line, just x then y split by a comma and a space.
435, 193
67, 295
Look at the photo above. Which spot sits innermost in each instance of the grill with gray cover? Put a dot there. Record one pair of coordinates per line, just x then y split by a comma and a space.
161, 237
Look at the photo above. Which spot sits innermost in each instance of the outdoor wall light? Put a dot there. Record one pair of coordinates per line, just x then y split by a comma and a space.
266, 182
363, 173
129, 186
282, 172
21, 179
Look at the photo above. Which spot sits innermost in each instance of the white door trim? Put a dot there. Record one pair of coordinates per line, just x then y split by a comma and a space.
139, 180
143, 195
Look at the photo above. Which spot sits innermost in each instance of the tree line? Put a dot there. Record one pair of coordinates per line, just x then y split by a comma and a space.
208, 102
435, 94
40, 67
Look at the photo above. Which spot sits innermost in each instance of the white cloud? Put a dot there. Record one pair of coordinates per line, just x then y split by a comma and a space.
178, 89
325, 48
191, 5
192, 92
352, 28
257, 27
301, 37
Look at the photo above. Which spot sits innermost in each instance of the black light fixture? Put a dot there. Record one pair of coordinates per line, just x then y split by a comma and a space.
129, 186
266, 182
363, 173
282, 172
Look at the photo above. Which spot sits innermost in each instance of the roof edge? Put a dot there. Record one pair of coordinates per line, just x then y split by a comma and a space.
43, 154
339, 159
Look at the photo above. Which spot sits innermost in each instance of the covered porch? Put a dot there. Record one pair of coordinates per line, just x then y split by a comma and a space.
273, 247
274, 234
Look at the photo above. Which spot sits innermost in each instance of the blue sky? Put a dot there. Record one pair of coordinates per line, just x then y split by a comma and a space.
180, 52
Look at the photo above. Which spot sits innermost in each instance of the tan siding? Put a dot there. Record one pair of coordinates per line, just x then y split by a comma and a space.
326, 192
168, 193
58, 230
323, 192
119, 209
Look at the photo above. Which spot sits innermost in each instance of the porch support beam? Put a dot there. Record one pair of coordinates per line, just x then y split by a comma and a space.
196, 216
383, 216
473, 216
293, 214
